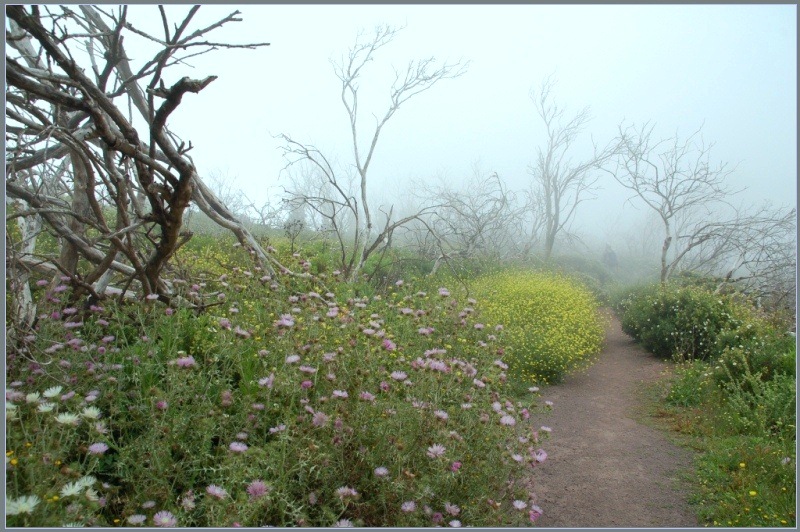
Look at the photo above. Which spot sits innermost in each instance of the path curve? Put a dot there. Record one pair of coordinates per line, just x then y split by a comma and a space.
605, 469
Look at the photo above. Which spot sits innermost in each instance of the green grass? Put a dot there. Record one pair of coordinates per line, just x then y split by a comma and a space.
744, 471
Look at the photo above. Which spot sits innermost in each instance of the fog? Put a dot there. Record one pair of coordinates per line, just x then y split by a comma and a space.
728, 69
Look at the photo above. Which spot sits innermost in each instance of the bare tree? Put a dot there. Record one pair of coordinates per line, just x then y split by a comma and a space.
756, 252
335, 199
114, 192
479, 218
676, 179
559, 185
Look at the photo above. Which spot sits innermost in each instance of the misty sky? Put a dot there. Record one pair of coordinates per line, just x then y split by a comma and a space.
732, 68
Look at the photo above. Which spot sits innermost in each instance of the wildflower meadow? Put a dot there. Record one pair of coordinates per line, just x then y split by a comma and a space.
274, 401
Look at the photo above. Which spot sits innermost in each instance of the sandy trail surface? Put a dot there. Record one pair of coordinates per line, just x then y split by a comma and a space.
604, 468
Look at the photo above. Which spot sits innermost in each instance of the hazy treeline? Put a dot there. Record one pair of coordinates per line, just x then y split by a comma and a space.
91, 161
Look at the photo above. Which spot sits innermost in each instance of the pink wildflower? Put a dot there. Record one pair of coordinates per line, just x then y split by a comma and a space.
320, 419
346, 492
267, 381
226, 398
186, 362
437, 365
257, 489
508, 421
286, 320
452, 509
216, 491
366, 396
436, 450
164, 519
98, 448
238, 447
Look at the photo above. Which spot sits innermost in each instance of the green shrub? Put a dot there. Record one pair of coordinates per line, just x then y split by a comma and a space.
551, 324
622, 299
759, 406
680, 322
739, 402
689, 385
763, 351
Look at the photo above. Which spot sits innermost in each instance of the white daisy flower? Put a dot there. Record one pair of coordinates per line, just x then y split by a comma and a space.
32, 397
68, 419
72, 489
22, 505
91, 412
46, 407
53, 392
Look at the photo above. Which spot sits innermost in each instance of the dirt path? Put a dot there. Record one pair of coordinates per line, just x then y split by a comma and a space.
604, 469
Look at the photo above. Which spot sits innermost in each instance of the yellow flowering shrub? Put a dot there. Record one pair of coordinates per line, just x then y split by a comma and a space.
550, 323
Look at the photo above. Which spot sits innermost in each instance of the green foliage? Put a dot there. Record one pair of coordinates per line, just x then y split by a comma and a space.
745, 470
551, 324
690, 385
679, 322
284, 383
738, 404
760, 406
746, 481
761, 351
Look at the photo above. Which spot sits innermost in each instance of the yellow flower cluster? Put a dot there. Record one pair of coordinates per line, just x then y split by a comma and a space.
551, 324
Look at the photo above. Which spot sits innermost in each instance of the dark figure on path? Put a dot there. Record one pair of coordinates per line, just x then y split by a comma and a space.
610, 258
